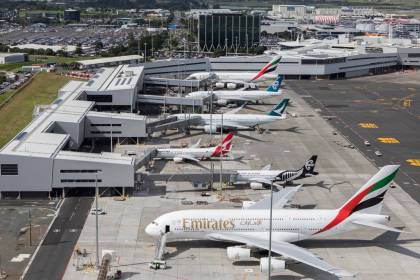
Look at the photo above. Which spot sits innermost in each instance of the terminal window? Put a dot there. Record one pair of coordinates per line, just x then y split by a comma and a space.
100, 98
9, 169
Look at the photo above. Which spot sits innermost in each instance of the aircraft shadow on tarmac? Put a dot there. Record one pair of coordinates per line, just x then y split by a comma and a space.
304, 270
323, 185
293, 129
387, 240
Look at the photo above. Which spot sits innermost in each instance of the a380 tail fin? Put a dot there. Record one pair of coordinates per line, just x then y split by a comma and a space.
369, 198
269, 67
279, 109
274, 87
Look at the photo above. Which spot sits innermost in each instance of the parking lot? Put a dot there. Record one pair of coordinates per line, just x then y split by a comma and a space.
373, 254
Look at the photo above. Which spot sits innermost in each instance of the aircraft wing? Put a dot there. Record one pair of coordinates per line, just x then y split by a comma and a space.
187, 157
264, 181
236, 110
285, 249
280, 199
229, 125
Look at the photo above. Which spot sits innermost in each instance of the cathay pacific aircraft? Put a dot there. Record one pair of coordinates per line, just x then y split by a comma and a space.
232, 121
250, 226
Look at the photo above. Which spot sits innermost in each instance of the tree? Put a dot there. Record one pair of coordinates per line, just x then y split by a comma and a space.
78, 50
98, 46
49, 52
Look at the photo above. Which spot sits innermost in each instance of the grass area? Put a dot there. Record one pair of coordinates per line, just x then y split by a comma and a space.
14, 66
16, 114
42, 59
5, 95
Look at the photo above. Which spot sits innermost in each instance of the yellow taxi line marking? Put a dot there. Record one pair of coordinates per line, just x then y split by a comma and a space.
414, 162
388, 140
368, 125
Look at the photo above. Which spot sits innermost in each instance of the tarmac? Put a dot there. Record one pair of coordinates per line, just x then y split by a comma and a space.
372, 254
18, 241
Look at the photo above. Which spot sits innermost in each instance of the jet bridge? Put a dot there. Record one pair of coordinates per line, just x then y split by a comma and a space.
193, 176
167, 82
171, 123
171, 100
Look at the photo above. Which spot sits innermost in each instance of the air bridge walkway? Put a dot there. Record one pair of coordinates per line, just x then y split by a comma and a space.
167, 82
194, 176
171, 123
171, 100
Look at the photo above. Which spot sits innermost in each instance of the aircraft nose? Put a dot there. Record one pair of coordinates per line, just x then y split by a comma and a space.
152, 230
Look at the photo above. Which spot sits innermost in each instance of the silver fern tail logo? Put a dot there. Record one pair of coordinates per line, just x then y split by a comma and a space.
309, 165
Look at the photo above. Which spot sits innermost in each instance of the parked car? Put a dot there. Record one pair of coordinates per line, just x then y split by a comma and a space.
97, 211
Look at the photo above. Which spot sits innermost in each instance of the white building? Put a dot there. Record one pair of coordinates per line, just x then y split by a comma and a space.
6, 58
44, 155
115, 88
299, 12
109, 61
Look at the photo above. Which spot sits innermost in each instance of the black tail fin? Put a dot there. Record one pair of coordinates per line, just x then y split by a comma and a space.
308, 168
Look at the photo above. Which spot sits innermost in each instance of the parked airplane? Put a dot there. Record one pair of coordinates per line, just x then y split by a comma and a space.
250, 226
223, 97
257, 179
232, 79
232, 121
195, 153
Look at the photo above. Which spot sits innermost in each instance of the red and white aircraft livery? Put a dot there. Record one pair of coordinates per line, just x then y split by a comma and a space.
195, 153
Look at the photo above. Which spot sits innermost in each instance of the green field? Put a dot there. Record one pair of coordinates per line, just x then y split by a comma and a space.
17, 113
5, 95
42, 59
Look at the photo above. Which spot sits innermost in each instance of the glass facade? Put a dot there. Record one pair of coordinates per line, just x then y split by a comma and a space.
231, 31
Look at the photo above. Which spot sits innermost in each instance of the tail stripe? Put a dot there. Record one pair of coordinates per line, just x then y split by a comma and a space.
353, 203
369, 202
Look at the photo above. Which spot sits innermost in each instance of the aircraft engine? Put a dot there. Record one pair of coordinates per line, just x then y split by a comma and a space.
236, 253
256, 186
231, 85
178, 159
276, 265
220, 85
222, 102
208, 129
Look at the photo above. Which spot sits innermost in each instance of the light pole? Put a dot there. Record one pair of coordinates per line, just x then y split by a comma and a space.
96, 218
221, 155
145, 55
271, 229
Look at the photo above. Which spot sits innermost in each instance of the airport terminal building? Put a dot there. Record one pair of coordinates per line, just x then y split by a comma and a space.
46, 154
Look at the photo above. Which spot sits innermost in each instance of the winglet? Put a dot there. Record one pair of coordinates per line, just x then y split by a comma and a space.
341, 273
196, 145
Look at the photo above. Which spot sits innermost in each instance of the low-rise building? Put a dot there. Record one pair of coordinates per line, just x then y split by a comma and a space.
115, 88
6, 58
45, 154
109, 61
